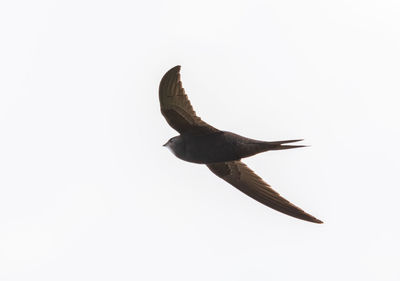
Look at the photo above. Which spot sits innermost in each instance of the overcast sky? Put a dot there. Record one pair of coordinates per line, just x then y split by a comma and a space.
87, 192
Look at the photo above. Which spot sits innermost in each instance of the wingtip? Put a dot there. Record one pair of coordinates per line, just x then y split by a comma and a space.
309, 218
318, 221
173, 71
176, 68
170, 75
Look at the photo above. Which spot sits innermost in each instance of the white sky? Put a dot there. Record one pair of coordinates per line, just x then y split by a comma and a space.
87, 192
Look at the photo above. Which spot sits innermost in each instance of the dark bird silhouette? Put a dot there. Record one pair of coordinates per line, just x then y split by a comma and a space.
221, 151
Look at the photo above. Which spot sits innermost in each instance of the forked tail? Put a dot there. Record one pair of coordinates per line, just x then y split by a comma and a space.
279, 145
251, 147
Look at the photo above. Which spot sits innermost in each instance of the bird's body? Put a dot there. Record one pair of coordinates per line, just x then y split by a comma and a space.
219, 147
221, 151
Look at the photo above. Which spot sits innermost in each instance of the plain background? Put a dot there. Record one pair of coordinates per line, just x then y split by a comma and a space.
87, 192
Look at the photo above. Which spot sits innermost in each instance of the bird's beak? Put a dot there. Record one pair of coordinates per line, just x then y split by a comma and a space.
165, 144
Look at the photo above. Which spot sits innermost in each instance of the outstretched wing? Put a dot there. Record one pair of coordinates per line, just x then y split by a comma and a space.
176, 107
240, 176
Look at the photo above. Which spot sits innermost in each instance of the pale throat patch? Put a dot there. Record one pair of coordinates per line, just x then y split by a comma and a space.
170, 148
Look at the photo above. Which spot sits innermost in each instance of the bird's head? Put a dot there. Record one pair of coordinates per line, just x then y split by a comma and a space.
174, 144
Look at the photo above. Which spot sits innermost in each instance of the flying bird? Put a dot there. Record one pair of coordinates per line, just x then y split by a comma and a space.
221, 151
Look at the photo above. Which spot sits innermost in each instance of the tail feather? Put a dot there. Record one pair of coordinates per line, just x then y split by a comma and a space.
279, 145
253, 147
283, 142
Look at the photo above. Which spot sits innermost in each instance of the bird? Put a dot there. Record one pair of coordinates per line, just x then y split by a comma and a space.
221, 151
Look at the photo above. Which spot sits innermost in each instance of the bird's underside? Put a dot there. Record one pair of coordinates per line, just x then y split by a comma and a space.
179, 113
224, 147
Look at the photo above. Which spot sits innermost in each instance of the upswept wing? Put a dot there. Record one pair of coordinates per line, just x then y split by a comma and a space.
240, 176
176, 107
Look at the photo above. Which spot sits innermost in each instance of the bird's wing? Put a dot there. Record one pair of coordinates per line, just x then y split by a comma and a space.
176, 107
240, 176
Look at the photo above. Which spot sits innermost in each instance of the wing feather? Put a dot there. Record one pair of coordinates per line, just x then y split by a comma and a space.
243, 178
176, 107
